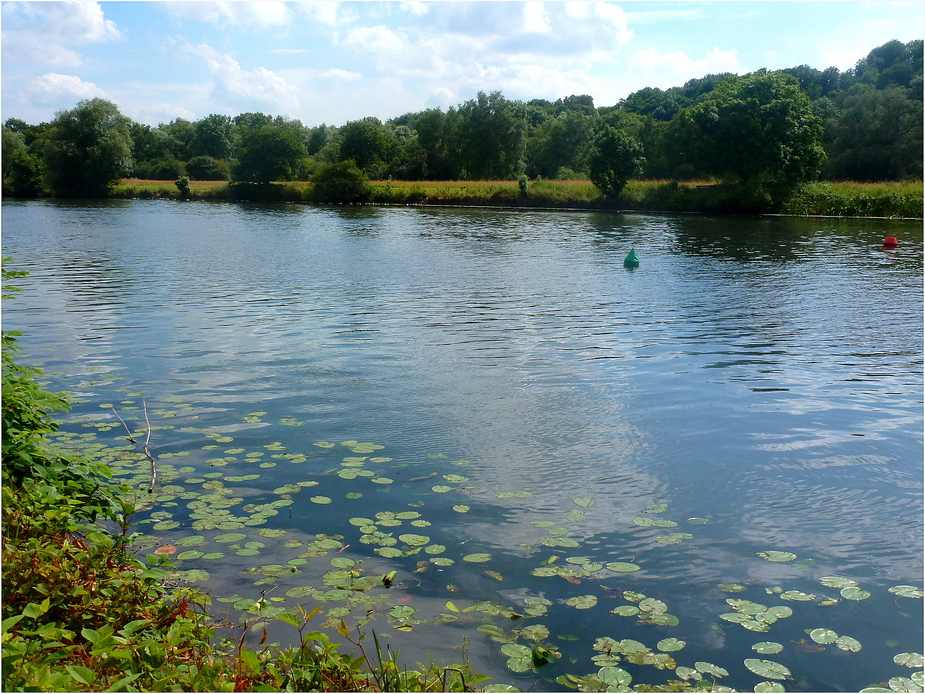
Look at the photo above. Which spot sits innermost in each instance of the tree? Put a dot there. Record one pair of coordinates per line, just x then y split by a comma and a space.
562, 141
22, 171
212, 137
341, 182
205, 168
88, 148
759, 130
615, 158
369, 144
270, 153
491, 136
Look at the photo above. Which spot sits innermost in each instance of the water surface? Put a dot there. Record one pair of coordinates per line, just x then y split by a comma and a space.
757, 382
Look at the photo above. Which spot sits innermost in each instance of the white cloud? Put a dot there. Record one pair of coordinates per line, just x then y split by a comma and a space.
46, 33
673, 68
260, 13
375, 39
415, 7
241, 89
54, 88
326, 12
535, 20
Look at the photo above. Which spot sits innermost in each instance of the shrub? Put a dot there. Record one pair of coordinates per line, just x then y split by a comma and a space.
616, 157
205, 168
522, 185
182, 184
342, 182
160, 169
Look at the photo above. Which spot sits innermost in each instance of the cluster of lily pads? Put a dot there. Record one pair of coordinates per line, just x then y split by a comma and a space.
207, 500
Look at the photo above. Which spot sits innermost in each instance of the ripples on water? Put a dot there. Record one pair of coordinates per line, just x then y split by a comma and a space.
764, 373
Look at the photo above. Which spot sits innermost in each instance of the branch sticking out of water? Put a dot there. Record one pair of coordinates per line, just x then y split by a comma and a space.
145, 449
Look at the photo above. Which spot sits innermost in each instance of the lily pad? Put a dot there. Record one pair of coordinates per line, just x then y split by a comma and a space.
625, 611
461, 508
823, 636
582, 602
776, 556
910, 660
622, 567
616, 679
414, 540
323, 500
769, 687
767, 647
706, 668
767, 669
670, 645
904, 591
477, 557
854, 593
848, 643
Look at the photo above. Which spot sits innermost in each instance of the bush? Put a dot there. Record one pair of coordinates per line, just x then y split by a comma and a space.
160, 169
182, 184
205, 168
616, 157
342, 182
522, 184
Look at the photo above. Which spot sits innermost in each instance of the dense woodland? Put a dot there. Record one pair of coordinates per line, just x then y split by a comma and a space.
800, 123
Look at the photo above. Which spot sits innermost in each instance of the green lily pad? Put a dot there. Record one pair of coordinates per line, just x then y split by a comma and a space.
622, 567
535, 632
769, 687
767, 647
616, 679
625, 611
776, 556
797, 595
461, 508
320, 500
848, 643
731, 587
582, 602
904, 591
910, 660
441, 488
477, 557
670, 645
189, 554
442, 561
837, 582
768, 669
823, 636
229, 537
414, 540
706, 668
853, 593
902, 684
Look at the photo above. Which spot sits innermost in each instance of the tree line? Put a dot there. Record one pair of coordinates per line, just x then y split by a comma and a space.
772, 129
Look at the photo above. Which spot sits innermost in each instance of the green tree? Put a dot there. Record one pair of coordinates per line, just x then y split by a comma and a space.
561, 141
369, 144
340, 182
759, 130
212, 137
616, 157
89, 147
270, 153
491, 136
204, 168
22, 170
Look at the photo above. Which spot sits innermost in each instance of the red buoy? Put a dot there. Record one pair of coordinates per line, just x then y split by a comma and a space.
890, 242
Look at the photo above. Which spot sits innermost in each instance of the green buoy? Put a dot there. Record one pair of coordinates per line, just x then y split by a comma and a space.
631, 259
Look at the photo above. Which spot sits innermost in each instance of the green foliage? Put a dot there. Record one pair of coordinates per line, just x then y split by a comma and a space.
160, 169
212, 137
491, 136
616, 157
369, 144
206, 168
522, 185
182, 184
270, 153
759, 130
88, 149
22, 170
342, 182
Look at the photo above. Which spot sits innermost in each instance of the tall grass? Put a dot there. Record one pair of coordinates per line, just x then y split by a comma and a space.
837, 198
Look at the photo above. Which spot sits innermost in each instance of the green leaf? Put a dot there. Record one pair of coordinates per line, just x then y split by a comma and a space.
119, 685
81, 674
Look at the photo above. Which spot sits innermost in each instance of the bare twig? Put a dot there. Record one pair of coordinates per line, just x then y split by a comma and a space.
128, 433
147, 451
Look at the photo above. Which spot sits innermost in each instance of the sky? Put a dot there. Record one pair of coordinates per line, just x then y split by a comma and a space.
330, 62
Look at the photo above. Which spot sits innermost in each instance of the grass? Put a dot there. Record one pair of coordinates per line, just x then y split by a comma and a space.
837, 198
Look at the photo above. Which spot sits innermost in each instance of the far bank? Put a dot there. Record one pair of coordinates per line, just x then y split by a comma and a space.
901, 199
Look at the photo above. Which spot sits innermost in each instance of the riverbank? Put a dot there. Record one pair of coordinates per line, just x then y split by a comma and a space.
901, 199
82, 613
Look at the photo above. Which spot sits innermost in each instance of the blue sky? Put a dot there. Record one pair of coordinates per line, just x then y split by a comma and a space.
335, 61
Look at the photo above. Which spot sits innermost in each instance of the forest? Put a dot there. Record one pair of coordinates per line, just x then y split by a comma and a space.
862, 124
